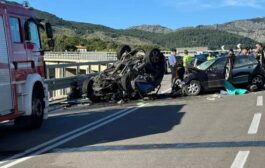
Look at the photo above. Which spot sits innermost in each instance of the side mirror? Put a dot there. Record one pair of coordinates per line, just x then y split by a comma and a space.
49, 31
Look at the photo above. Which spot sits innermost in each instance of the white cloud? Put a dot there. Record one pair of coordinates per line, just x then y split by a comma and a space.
243, 3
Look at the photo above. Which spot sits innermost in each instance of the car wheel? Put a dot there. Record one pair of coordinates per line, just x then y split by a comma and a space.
193, 88
155, 62
154, 56
90, 92
258, 81
122, 50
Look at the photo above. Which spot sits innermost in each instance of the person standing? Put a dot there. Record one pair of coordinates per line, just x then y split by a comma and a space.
172, 64
180, 68
187, 59
260, 54
244, 52
230, 65
210, 56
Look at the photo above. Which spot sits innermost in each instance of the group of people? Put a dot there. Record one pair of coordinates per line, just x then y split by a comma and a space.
247, 51
179, 65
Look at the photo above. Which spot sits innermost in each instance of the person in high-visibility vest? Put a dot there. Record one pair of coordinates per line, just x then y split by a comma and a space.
187, 59
210, 56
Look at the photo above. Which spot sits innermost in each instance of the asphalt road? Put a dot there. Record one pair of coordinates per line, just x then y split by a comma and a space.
205, 132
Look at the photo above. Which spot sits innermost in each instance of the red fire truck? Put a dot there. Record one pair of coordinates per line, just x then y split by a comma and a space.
23, 94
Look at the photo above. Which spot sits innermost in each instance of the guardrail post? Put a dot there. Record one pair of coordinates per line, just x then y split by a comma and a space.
99, 68
64, 75
78, 70
89, 69
47, 73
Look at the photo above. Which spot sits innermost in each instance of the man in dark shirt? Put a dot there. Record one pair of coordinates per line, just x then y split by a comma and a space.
180, 68
260, 54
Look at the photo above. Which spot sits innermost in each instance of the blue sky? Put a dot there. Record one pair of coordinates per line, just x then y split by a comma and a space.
174, 14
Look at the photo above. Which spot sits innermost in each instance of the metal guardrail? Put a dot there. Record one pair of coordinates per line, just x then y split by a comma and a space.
88, 56
79, 64
62, 83
58, 87
99, 56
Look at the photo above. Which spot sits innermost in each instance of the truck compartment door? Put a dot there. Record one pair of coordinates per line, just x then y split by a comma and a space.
6, 103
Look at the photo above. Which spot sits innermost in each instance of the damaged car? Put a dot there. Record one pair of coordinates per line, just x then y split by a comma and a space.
211, 75
135, 74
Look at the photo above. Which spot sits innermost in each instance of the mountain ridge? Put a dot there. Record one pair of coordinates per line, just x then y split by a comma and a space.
76, 33
253, 28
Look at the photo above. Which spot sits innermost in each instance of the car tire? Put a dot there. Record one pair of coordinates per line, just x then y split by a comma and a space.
193, 88
35, 120
153, 56
259, 81
155, 62
123, 49
90, 92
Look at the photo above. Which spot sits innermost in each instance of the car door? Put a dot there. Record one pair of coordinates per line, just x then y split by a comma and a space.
216, 74
6, 103
243, 67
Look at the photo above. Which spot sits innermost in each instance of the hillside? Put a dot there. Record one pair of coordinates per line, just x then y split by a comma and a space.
152, 28
98, 37
191, 37
252, 28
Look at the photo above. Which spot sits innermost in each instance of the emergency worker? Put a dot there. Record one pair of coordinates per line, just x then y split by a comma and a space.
187, 59
210, 56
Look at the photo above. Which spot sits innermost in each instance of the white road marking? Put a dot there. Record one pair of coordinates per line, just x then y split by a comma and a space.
166, 91
240, 159
66, 137
255, 124
16, 162
260, 101
4, 122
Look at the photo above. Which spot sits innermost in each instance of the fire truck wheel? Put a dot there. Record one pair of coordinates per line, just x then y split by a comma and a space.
35, 120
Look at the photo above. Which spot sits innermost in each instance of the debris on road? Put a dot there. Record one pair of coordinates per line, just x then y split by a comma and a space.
214, 97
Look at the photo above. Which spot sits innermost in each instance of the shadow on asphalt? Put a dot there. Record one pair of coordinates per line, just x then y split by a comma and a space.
145, 121
15, 140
